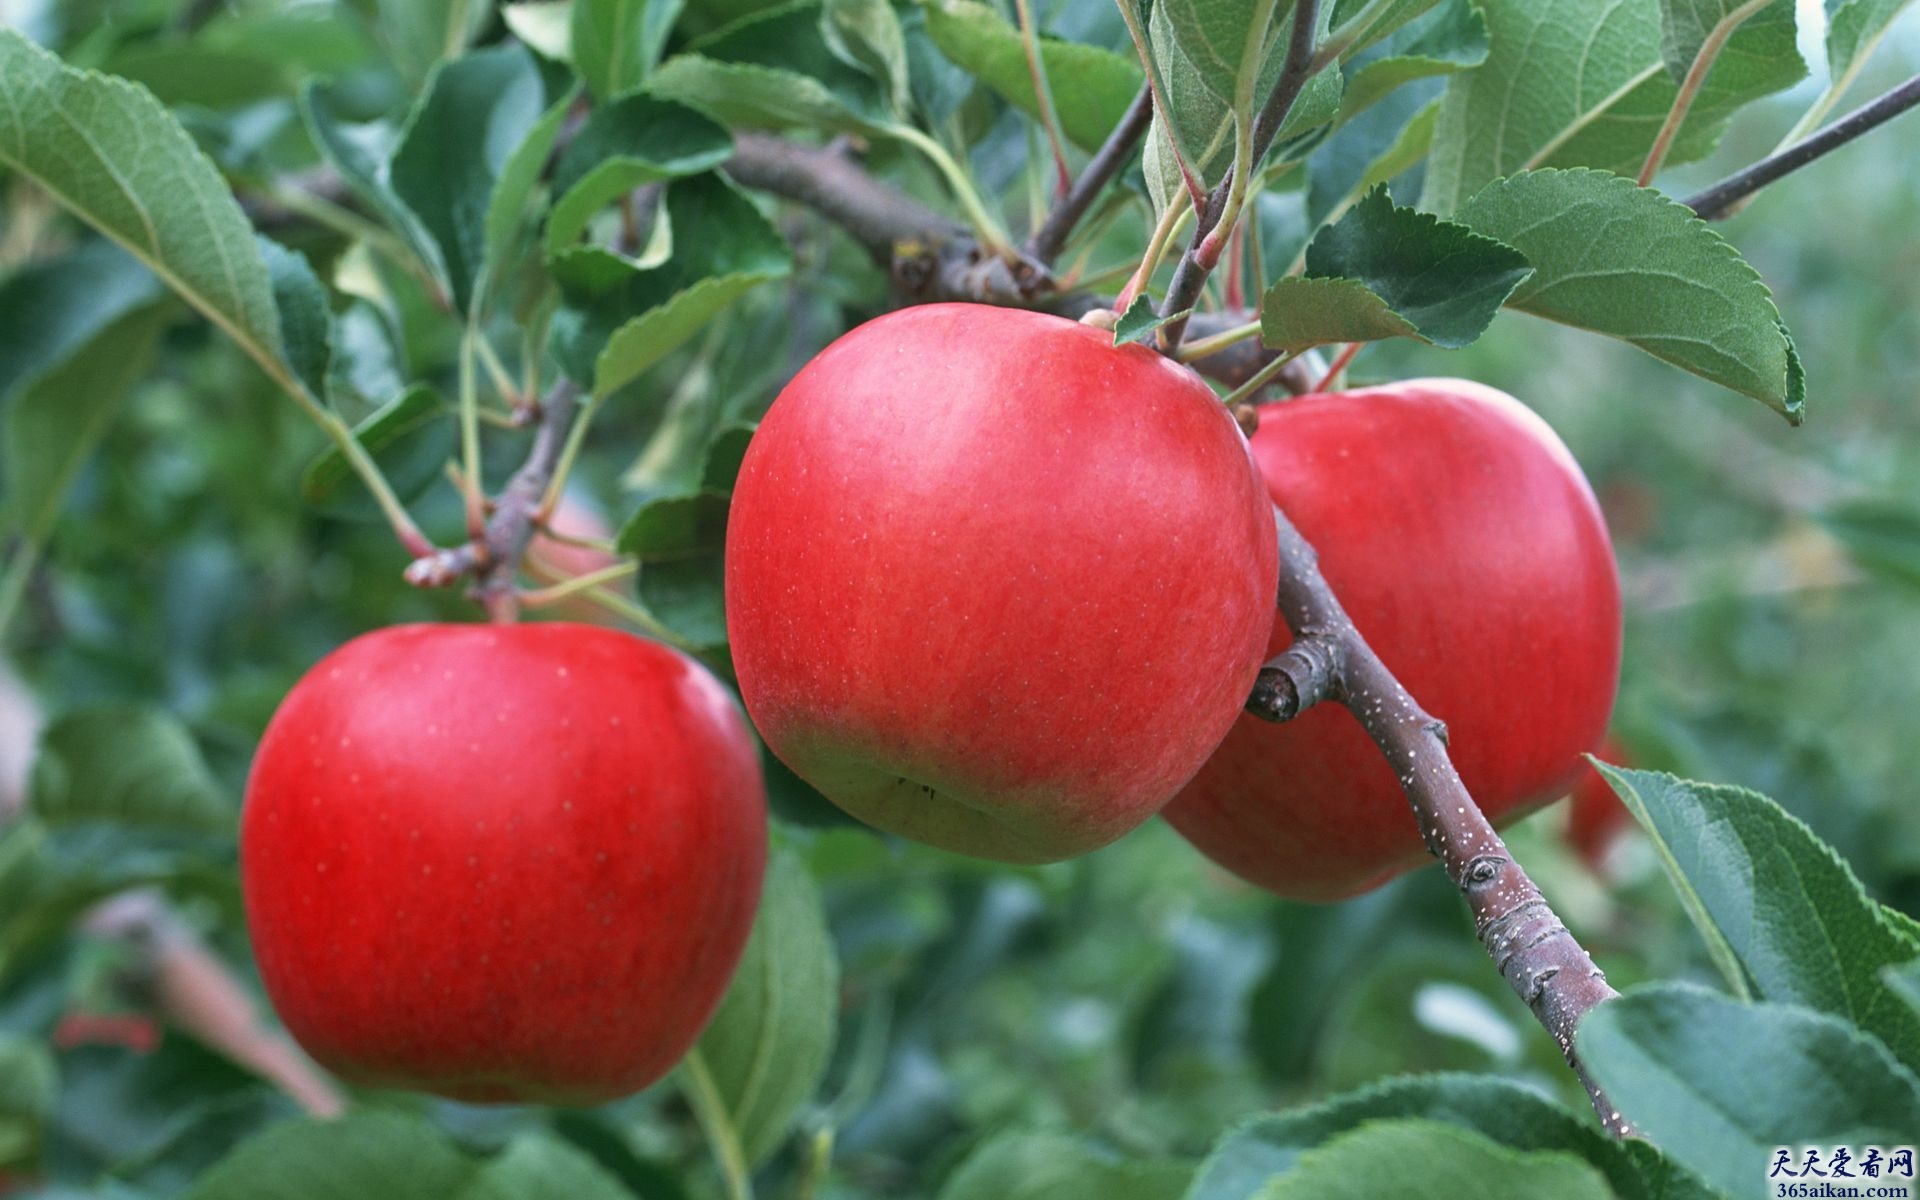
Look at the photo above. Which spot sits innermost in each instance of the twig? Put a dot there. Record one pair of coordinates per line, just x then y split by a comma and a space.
1203, 252
1330, 660
1048, 240
1713, 203
492, 561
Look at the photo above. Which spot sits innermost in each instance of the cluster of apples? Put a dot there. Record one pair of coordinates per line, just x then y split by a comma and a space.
992, 584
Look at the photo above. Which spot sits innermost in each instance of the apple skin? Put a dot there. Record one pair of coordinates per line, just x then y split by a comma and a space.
1463, 540
502, 863
993, 584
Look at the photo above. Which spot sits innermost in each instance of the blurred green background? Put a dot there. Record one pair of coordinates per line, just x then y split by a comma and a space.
1137, 995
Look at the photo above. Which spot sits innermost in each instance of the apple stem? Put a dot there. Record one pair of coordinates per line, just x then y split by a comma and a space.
1330, 660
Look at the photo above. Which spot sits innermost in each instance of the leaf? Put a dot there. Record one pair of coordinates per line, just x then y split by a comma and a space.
1783, 916
458, 144
129, 766
775, 71
1370, 148
541, 1167
306, 323
363, 154
27, 1088
1225, 40
1904, 979
686, 596
1416, 1160
868, 34
1581, 83
627, 142
519, 178
1091, 87
1498, 1110
1059, 1167
1686, 26
1632, 264
420, 33
58, 417
1452, 37
106, 150
54, 308
676, 527
1882, 537
545, 25
1141, 321
409, 438
1387, 271
767, 1046
1854, 28
612, 333
353, 1157
617, 43
1718, 1084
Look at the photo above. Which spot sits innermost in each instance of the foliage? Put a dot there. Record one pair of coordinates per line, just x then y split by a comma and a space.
267, 269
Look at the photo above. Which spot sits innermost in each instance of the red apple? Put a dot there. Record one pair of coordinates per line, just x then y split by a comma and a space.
502, 862
1465, 543
994, 584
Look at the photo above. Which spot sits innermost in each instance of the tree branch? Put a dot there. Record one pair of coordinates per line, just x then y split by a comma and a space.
493, 562
1330, 660
1203, 252
1718, 201
1045, 244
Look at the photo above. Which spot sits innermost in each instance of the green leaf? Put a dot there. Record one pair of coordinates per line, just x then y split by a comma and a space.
1632, 264
519, 179
1226, 40
686, 596
1141, 321
106, 150
775, 71
676, 527
306, 322
1854, 28
27, 1088
1904, 979
1718, 1084
1686, 25
766, 1048
630, 141
57, 307
1451, 37
130, 766
1502, 1112
545, 25
868, 34
1372, 147
56, 419
409, 438
1881, 536
457, 146
617, 43
363, 155
420, 33
613, 332
351, 1158
1091, 87
1581, 83
1416, 1160
1784, 916
1059, 1167
1387, 271
539, 1167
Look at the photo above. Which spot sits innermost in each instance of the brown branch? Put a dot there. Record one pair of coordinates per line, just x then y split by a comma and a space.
1718, 200
493, 561
1330, 660
1203, 251
1045, 244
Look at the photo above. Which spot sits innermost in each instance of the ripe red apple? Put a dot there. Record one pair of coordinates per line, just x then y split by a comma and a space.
502, 862
1465, 543
994, 584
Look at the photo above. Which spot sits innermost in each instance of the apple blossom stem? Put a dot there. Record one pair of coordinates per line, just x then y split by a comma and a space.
1045, 244
1330, 660
1718, 200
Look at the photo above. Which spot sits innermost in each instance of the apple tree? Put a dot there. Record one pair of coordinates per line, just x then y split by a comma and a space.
677, 598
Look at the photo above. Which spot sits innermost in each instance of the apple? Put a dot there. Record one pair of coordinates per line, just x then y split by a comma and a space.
502, 863
1465, 543
994, 584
